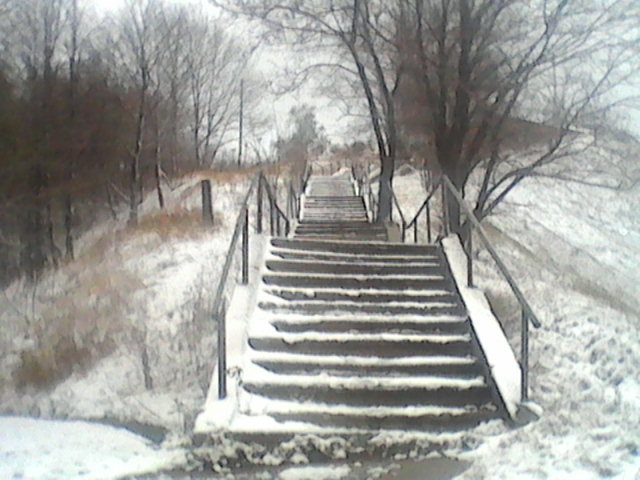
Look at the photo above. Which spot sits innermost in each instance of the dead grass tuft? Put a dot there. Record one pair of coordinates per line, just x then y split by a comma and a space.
44, 367
176, 224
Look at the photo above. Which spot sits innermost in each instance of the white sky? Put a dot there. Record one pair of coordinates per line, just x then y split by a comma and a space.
329, 116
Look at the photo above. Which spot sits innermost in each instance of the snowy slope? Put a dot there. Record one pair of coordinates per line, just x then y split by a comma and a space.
51, 450
131, 292
575, 250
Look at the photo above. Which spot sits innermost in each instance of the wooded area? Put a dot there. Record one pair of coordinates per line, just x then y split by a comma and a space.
452, 79
95, 109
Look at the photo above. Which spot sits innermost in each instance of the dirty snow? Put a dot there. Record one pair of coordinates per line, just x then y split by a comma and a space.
33, 449
574, 248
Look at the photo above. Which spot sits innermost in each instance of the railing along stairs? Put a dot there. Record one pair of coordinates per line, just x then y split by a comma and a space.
471, 226
279, 224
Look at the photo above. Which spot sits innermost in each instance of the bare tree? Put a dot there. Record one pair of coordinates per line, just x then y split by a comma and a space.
479, 65
356, 34
140, 55
37, 29
475, 65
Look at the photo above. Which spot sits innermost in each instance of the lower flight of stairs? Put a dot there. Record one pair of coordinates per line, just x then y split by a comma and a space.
330, 209
362, 336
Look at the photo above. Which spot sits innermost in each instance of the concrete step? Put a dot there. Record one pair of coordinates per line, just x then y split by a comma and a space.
398, 283
359, 235
373, 391
350, 365
371, 324
358, 248
342, 295
307, 307
339, 228
362, 268
415, 417
374, 345
287, 254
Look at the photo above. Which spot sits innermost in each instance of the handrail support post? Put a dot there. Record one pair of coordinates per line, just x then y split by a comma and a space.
524, 356
222, 352
470, 257
245, 247
259, 207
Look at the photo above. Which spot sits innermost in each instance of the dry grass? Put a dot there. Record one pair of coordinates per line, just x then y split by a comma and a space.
84, 317
234, 175
177, 224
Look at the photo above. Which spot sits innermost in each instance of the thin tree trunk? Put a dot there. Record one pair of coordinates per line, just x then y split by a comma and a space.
68, 227
158, 182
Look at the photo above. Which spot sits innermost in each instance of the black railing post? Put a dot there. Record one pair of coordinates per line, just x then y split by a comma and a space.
428, 223
272, 228
445, 210
470, 258
207, 208
415, 232
259, 207
524, 356
245, 247
222, 352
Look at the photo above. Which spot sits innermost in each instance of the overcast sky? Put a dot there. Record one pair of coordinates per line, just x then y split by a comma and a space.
271, 64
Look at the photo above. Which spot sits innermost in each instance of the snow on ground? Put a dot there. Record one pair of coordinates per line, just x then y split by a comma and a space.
33, 449
575, 251
136, 301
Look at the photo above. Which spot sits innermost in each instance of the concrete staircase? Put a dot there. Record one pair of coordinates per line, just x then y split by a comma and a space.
330, 209
354, 333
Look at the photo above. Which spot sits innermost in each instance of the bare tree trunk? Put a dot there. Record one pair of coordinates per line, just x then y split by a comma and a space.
68, 227
54, 251
110, 201
134, 178
158, 174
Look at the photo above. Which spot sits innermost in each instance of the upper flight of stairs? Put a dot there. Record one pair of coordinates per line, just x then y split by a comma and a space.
353, 332
330, 209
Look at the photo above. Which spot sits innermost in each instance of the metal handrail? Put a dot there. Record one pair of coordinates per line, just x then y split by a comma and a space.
275, 209
425, 206
402, 217
527, 314
242, 224
487, 243
241, 228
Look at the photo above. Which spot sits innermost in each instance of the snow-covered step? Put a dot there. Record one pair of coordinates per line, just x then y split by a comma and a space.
394, 282
370, 390
363, 268
376, 308
354, 247
354, 343
399, 263
352, 295
412, 417
371, 324
352, 257
298, 363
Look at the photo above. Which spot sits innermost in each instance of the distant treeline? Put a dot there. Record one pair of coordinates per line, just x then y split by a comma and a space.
93, 110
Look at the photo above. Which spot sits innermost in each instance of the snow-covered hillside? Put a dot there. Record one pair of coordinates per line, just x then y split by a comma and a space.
574, 247
134, 308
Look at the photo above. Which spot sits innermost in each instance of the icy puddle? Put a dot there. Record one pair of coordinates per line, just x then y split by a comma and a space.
424, 469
